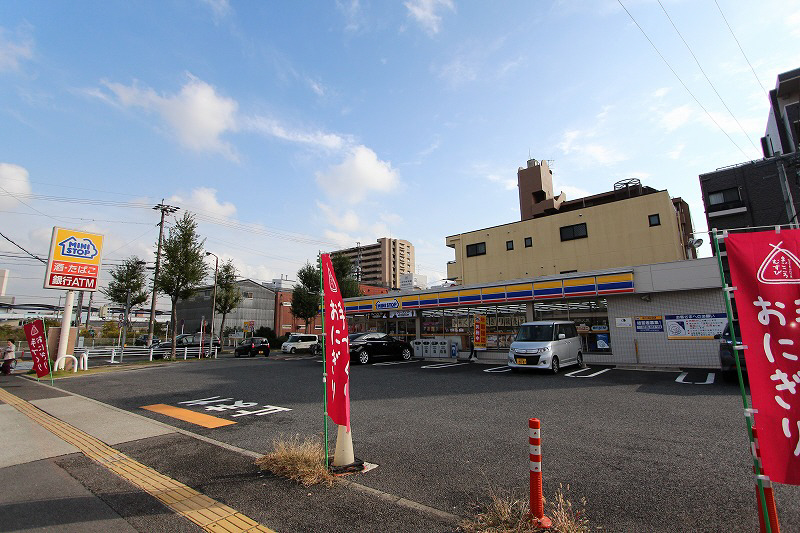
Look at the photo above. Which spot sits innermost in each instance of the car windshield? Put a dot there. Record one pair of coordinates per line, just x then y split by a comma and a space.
354, 336
245, 341
535, 332
293, 338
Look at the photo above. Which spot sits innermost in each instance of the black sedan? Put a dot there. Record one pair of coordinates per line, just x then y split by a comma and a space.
364, 347
252, 346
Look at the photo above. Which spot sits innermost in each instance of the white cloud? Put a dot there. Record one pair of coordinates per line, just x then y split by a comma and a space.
793, 23
458, 72
577, 142
675, 118
352, 14
661, 93
204, 200
427, 13
508, 184
219, 7
198, 116
14, 180
573, 193
676, 152
359, 174
603, 154
345, 221
269, 126
11, 53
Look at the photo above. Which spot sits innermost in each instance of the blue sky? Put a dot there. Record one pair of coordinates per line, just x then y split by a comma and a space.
293, 127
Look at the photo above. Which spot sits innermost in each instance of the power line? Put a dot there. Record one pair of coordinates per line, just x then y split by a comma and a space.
766, 92
706, 76
679, 78
81, 218
23, 249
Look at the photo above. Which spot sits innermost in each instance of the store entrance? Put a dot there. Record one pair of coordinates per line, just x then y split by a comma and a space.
590, 317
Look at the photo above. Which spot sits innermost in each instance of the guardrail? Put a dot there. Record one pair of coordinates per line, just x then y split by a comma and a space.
116, 354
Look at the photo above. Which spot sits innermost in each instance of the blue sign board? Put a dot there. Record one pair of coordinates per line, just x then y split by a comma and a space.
649, 324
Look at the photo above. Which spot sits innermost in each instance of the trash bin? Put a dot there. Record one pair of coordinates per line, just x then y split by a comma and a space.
417, 345
426, 348
442, 348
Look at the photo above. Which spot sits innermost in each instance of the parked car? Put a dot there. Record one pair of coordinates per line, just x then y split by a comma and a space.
547, 345
252, 346
141, 340
185, 340
299, 341
726, 355
365, 347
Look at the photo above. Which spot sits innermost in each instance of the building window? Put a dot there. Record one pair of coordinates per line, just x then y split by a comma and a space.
724, 199
655, 220
509, 245
247, 295
576, 231
567, 271
476, 249
528, 242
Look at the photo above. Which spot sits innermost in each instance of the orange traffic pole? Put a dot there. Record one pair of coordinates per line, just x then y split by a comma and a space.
769, 495
537, 501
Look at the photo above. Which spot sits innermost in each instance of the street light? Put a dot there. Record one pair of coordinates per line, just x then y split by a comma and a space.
214, 296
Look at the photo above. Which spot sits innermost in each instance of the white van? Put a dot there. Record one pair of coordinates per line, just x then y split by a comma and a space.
299, 341
546, 345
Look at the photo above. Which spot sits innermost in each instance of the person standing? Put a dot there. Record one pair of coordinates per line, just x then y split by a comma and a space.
8, 357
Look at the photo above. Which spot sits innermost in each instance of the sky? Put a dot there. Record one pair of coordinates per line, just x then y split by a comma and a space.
289, 128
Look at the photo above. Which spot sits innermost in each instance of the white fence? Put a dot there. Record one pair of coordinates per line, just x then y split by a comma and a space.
117, 354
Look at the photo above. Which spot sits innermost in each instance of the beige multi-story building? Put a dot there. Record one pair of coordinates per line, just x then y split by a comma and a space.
630, 225
381, 263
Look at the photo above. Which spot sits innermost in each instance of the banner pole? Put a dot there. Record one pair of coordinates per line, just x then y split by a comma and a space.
324, 359
745, 404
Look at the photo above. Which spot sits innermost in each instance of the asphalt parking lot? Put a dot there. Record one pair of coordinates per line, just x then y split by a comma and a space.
650, 451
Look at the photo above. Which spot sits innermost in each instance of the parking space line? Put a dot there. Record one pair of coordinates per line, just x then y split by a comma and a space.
394, 363
200, 419
497, 369
682, 379
574, 372
443, 365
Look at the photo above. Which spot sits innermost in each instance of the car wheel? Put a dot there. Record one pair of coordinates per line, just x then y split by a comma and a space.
554, 365
580, 360
252, 353
236, 354
266, 354
363, 357
292, 350
406, 354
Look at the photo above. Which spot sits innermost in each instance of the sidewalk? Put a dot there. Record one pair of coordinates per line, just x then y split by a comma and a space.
74, 464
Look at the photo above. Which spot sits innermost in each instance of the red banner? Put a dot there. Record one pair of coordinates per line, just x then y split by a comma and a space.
34, 333
337, 347
765, 270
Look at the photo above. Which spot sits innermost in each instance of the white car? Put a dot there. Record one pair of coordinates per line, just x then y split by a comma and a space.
546, 345
300, 341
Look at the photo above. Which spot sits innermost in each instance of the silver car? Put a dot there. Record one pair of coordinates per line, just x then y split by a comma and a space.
546, 345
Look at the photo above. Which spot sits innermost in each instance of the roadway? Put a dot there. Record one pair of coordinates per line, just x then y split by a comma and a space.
650, 451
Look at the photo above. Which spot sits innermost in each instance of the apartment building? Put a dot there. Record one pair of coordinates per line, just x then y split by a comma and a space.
381, 263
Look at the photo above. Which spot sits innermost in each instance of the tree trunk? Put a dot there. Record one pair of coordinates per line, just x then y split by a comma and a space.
174, 329
221, 330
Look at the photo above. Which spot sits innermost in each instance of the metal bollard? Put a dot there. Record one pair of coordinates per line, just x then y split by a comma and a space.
536, 501
185, 351
215, 352
151, 353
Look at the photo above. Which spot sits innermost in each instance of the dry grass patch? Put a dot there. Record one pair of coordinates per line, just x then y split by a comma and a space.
508, 514
300, 460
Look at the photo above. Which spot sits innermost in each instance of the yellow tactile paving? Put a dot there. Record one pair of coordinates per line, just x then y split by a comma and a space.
206, 512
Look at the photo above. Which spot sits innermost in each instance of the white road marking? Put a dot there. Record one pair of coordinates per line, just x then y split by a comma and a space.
443, 365
682, 379
393, 363
498, 369
572, 374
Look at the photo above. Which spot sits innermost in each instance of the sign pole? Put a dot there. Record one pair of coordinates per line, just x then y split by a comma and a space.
736, 349
49, 365
66, 320
324, 360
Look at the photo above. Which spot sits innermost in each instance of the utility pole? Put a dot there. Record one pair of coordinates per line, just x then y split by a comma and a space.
165, 210
89, 312
214, 298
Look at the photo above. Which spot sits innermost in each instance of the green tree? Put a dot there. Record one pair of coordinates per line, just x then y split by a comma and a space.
305, 296
343, 269
228, 294
128, 276
183, 268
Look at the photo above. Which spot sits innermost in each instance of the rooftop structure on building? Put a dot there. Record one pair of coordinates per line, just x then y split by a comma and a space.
381, 263
632, 224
